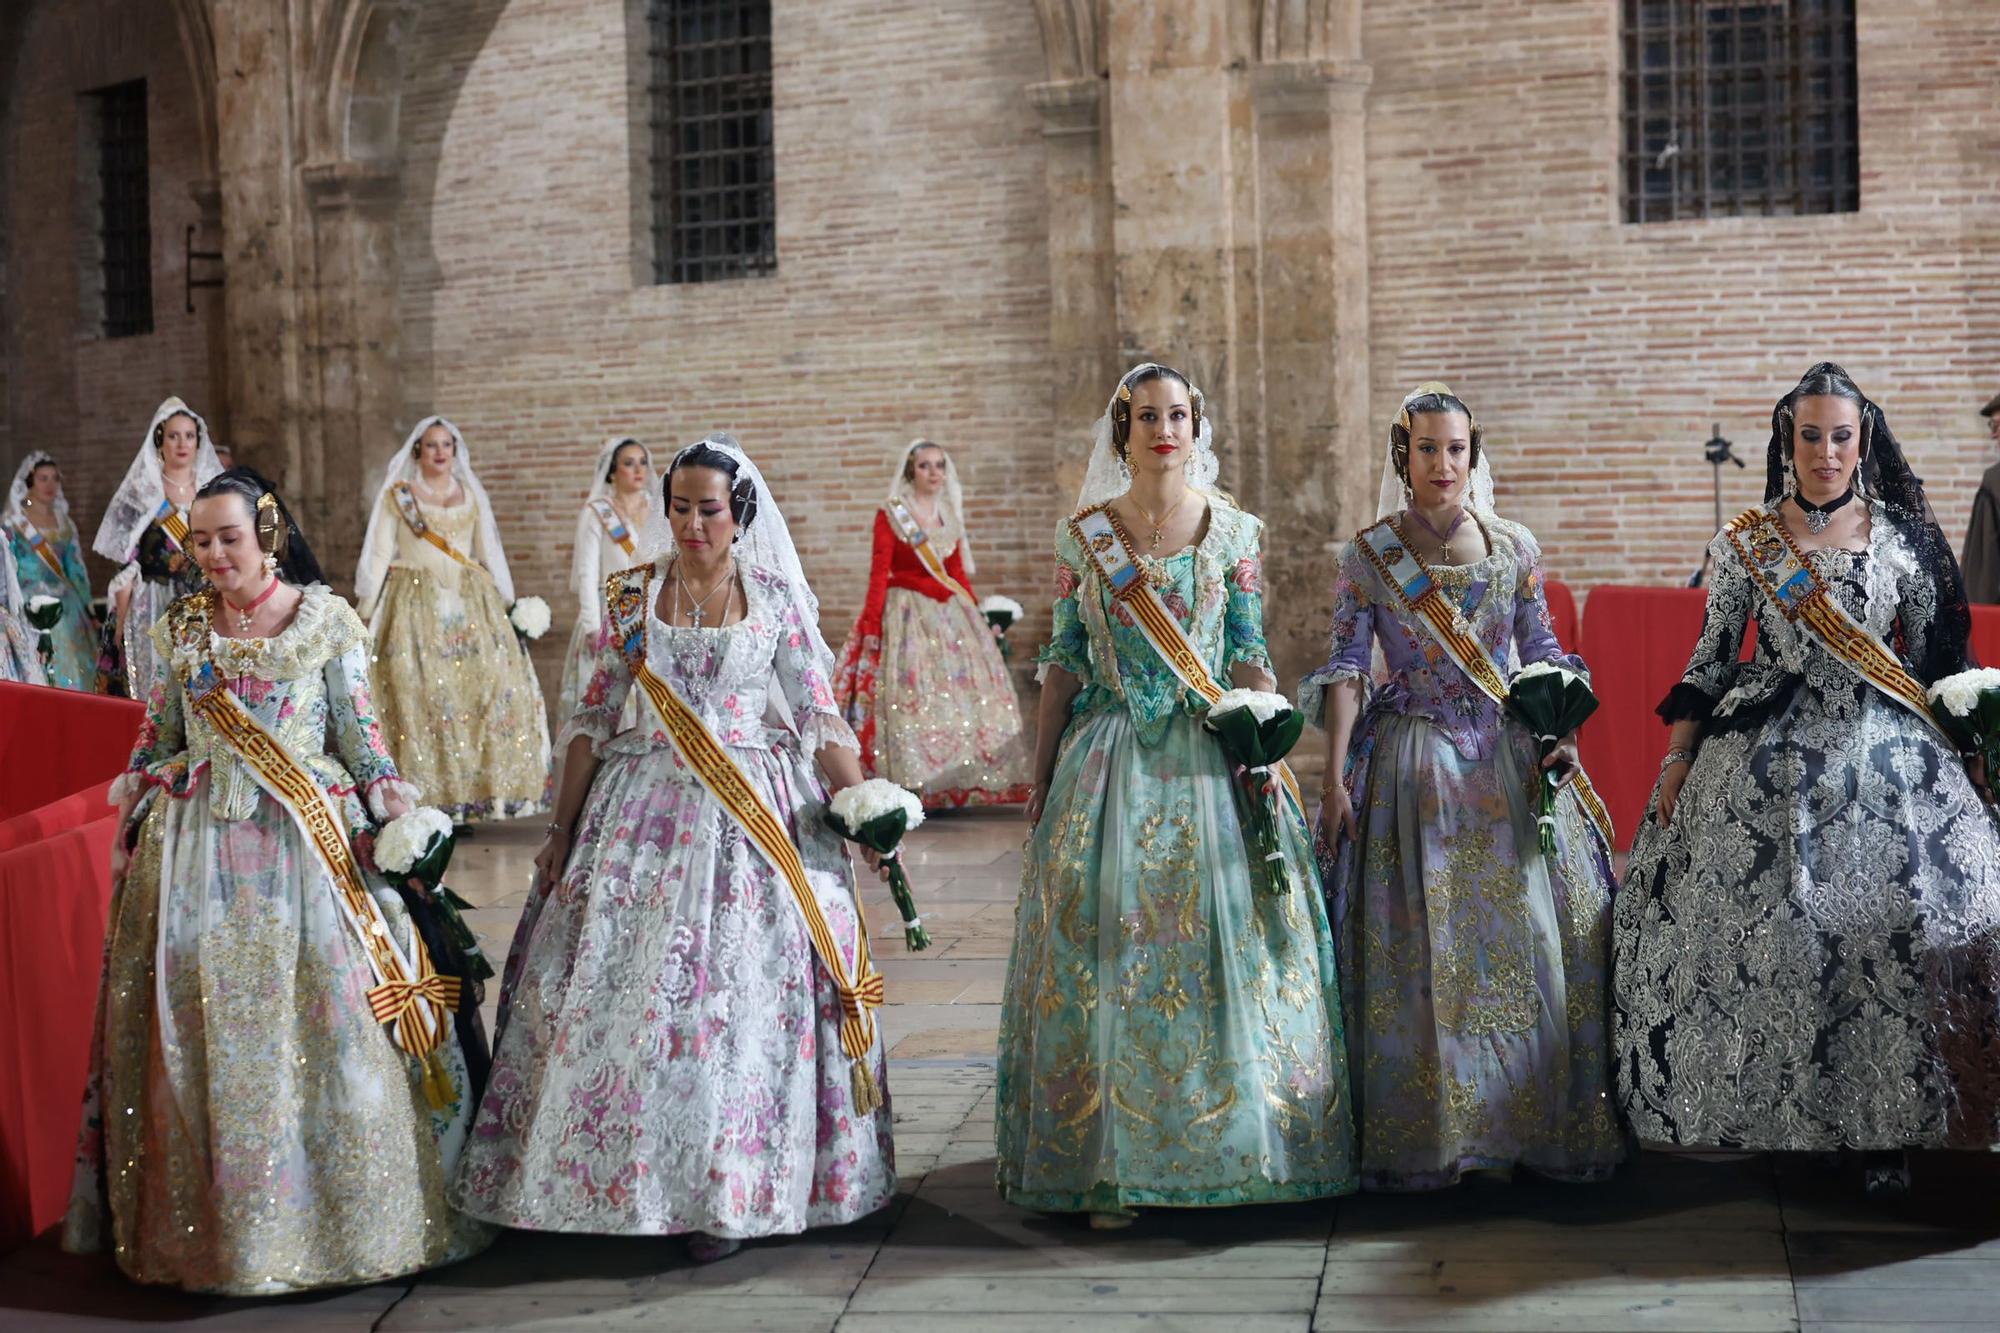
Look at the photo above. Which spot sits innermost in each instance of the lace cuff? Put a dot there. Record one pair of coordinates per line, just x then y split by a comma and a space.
123, 579
1686, 703
819, 730
383, 787
126, 787
592, 725
1312, 690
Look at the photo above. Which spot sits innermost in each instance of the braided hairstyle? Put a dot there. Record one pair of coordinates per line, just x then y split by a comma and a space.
1121, 404
277, 534
742, 491
1428, 399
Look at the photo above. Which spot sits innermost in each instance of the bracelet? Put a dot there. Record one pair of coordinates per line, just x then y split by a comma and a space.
1676, 757
556, 828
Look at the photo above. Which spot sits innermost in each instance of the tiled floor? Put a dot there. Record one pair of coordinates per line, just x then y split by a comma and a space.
1674, 1243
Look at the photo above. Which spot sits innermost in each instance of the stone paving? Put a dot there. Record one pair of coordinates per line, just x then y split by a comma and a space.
1676, 1242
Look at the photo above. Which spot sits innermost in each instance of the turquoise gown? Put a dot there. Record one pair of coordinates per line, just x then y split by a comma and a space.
1170, 1033
73, 664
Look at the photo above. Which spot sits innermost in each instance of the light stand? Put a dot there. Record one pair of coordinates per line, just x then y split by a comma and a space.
1716, 452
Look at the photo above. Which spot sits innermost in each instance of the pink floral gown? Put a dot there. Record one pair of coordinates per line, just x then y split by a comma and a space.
669, 1056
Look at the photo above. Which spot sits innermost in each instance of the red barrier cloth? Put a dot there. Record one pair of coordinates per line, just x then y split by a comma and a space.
1636, 643
58, 816
55, 742
1562, 613
1986, 635
54, 895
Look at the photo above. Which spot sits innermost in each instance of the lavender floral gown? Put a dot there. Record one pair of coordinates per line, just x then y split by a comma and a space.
669, 1054
1473, 969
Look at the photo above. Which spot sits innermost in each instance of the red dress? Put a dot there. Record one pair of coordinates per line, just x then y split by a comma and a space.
923, 684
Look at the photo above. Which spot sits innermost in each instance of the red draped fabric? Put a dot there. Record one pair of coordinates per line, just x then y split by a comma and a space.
56, 829
1562, 613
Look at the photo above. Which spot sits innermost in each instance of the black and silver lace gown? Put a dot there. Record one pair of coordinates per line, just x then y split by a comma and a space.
1808, 957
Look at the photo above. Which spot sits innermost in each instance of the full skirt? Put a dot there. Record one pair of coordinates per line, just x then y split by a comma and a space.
1808, 957
933, 706
1170, 1031
459, 704
669, 1054
258, 1132
1473, 968
20, 662
72, 661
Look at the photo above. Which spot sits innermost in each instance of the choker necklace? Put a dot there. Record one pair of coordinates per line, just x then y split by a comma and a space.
1444, 538
1819, 516
245, 613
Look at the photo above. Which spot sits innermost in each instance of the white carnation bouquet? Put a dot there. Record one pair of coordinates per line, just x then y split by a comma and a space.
1551, 701
1258, 729
1001, 613
418, 846
876, 814
44, 613
1967, 706
530, 617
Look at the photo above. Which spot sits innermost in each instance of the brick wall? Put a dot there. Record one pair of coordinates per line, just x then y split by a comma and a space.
1599, 355
71, 391
910, 296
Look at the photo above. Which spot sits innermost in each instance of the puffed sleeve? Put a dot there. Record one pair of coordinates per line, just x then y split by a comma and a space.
603, 698
589, 571
1350, 640
1069, 639
1534, 631
1243, 611
882, 555
1712, 666
354, 733
808, 686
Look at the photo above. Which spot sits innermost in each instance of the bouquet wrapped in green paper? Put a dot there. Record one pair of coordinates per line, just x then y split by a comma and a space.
876, 814
1551, 701
1258, 729
418, 846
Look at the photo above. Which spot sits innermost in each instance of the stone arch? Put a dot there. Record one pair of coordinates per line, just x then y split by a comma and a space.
198, 44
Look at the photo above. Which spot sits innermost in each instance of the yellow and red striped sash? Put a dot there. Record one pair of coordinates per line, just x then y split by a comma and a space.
1410, 578
416, 1012
1781, 571
173, 523
913, 535
38, 542
614, 524
860, 988
1103, 540
413, 517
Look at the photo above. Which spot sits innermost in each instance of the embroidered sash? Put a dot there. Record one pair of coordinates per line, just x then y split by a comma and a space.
416, 1012
1101, 539
38, 542
1780, 569
413, 516
173, 524
860, 988
614, 524
1410, 578
914, 536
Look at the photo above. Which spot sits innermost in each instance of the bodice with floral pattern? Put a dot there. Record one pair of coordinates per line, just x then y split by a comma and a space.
1214, 589
307, 685
1503, 603
727, 676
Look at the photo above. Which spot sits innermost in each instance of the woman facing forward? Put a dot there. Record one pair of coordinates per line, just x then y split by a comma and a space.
1170, 1031
687, 1043
1473, 967
458, 697
1808, 941
921, 680
48, 557
249, 1126
145, 530
621, 526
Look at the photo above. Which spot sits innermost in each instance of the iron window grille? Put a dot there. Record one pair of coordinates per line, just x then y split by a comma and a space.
713, 192
1735, 108
125, 230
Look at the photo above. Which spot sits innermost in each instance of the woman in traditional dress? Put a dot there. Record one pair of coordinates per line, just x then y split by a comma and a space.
1807, 946
48, 556
1170, 1031
145, 529
249, 1125
688, 1044
921, 679
622, 525
1473, 967
457, 695
19, 660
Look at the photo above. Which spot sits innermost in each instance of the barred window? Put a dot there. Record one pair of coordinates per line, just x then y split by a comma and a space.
1736, 108
714, 197
125, 229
